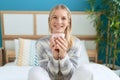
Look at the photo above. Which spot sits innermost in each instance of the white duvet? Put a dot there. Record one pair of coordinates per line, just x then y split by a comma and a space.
14, 72
99, 72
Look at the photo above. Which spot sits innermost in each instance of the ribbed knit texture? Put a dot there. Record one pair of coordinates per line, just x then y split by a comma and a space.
67, 65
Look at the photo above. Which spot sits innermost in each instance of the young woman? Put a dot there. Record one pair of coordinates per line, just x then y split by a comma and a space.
59, 57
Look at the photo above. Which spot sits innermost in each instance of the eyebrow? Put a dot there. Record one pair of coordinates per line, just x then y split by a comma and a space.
53, 15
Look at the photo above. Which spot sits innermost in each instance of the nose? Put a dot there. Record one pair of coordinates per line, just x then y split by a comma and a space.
59, 20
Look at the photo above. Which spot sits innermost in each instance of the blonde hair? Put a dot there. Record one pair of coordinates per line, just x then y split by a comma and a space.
68, 37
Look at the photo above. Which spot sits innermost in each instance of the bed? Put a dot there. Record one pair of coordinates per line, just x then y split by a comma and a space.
19, 71
19, 43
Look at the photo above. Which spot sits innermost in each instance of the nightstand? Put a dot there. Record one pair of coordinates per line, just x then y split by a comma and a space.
93, 55
10, 56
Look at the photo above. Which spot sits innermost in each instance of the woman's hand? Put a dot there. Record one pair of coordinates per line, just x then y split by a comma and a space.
62, 45
54, 49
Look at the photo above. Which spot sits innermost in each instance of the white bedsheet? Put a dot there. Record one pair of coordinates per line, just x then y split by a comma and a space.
99, 72
14, 72
10, 64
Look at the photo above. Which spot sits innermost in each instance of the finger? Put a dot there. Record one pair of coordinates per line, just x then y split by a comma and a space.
61, 45
59, 54
63, 41
52, 40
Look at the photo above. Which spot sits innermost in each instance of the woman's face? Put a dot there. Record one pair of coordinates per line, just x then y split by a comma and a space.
59, 21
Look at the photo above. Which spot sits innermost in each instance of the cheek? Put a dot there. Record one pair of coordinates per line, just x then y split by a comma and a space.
51, 24
66, 23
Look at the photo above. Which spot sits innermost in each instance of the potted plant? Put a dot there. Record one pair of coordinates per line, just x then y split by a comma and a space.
108, 28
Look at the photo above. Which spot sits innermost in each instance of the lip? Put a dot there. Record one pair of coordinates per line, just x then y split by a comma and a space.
58, 26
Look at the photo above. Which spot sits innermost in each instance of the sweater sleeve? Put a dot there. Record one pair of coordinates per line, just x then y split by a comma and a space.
72, 60
45, 61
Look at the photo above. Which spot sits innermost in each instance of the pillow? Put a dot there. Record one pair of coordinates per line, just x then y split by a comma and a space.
16, 43
27, 55
83, 55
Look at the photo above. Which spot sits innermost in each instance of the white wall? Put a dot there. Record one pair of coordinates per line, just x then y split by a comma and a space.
23, 24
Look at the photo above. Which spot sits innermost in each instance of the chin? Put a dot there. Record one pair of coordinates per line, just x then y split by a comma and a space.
59, 32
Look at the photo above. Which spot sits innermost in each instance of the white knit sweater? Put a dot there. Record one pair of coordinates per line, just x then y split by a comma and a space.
67, 65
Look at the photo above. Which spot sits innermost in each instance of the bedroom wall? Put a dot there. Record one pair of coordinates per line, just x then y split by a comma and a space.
41, 5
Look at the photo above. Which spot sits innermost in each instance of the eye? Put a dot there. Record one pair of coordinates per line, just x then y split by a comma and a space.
63, 18
54, 17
